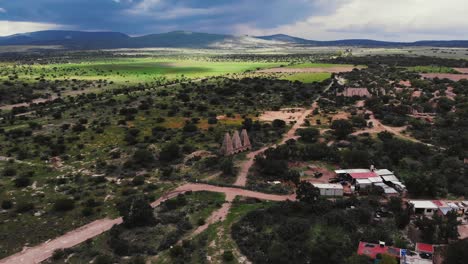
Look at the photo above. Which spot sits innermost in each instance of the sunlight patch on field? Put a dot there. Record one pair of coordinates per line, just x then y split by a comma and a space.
307, 77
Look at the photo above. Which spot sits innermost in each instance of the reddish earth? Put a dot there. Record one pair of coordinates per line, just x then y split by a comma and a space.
218, 215
350, 92
463, 231
45, 250
36, 101
335, 69
360, 103
461, 70
450, 76
405, 83
287, 115
416, 94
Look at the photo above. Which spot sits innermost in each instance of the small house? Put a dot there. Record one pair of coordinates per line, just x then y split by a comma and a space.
426, 208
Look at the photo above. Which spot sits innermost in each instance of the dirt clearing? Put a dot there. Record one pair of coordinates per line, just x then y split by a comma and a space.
286, 114
450, 76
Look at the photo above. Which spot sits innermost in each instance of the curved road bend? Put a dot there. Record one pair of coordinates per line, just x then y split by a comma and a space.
45, 250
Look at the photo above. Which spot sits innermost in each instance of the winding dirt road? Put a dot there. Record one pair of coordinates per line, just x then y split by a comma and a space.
45, 250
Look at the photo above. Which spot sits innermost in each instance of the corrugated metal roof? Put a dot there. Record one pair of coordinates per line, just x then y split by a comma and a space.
375, 179
424, 204
383, 172
352, 171
363, 181
390, 178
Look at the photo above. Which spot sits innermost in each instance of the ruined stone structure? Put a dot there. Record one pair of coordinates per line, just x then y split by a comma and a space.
236, 144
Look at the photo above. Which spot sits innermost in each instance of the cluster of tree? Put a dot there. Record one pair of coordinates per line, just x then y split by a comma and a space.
400, 60
310, 231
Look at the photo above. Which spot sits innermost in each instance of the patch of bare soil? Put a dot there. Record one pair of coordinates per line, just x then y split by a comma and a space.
450, 76
463, 231
461, 70
326, 175
286, 114
340, 115
335, 69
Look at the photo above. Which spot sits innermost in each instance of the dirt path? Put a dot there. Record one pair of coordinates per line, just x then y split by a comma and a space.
218, 215
379, 127
45, 250
291, 134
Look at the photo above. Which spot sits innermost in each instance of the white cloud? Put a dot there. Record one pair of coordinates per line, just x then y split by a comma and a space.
161, 10
144, 6
15, 27
404, 20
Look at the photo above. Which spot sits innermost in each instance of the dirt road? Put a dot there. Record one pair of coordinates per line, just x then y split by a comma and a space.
45, 250
291, 134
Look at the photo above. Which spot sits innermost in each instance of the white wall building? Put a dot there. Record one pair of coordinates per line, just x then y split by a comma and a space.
427, 208
327, 189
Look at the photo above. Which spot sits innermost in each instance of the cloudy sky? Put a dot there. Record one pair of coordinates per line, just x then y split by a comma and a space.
398, 20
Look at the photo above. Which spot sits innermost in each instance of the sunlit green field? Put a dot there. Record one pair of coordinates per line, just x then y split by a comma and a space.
307, 77
133, 71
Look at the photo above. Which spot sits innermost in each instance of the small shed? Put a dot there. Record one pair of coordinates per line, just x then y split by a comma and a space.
427, 208
329, 189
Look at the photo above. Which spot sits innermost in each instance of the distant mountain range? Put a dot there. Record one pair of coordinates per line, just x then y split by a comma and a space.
185, 39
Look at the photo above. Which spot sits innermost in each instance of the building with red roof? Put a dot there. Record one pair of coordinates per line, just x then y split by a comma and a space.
363, 175
427, 248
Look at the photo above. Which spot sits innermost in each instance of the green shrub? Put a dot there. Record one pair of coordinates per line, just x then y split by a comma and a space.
64, 204
24, 207
7, 204
228, 256
21, 182
9, 171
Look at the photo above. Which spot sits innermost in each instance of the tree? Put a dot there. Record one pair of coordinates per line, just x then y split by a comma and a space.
359, 259
308, 135
342, 128
307, 193
387, 259
170, 152
227, 167
64, 204
136, 212
457, 252
143, 157
277, 123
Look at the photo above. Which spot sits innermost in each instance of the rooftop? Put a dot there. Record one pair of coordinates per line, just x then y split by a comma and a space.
383, 172
328, 186
352, 171
421, 247
424, 204
363, 175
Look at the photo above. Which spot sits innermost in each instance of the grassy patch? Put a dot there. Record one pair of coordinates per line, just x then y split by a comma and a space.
307, 77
